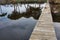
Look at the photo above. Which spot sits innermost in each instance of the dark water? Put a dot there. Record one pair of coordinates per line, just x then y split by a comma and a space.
18, 24
57, 29
56, 19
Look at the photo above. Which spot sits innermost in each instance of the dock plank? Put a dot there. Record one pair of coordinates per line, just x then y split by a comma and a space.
44, 29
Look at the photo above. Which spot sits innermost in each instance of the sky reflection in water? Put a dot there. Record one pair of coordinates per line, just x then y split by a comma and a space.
19, 29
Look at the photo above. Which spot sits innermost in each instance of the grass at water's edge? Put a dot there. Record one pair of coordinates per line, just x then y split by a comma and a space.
22, 1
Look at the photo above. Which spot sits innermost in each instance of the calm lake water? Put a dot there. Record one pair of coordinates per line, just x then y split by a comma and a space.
57, 29
18, 24
56, 19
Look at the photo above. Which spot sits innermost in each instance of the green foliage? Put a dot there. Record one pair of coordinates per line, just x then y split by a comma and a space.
11, 1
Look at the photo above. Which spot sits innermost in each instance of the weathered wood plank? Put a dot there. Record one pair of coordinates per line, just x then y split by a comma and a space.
44, 29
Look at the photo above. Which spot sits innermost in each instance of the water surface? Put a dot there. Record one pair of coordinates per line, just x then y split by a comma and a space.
56, 19
18, 23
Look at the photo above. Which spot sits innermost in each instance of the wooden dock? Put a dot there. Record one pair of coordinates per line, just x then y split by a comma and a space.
44, 29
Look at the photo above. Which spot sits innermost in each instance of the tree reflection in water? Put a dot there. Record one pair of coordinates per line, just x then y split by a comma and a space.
56, 17
31, 12
15, 15
1, 13
56, 12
